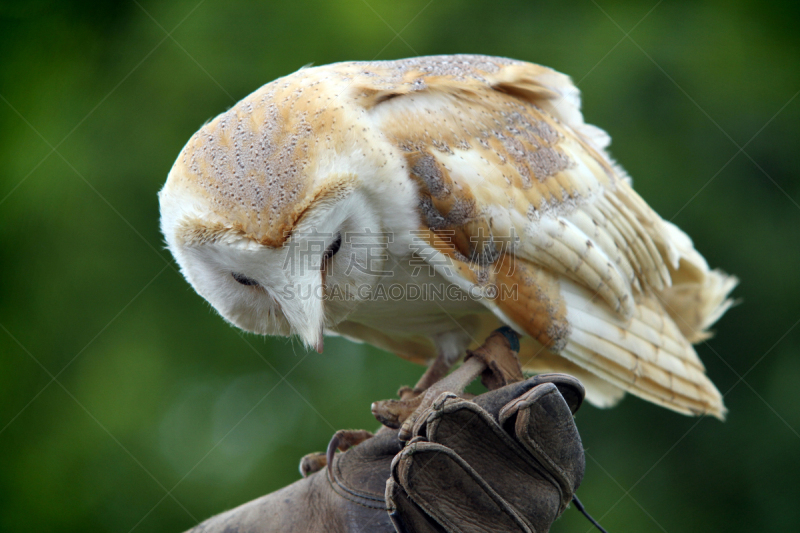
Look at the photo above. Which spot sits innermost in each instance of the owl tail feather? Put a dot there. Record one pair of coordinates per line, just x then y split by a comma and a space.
647, 355
698, 296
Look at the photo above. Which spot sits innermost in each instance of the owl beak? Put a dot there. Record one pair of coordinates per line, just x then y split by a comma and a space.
306, 312
320, 343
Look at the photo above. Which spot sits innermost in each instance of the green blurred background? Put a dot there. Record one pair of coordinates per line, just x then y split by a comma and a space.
126, 404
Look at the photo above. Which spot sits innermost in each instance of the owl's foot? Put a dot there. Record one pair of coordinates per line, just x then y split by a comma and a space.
500, 355
495, 361
312, 462
343, 440
392, 413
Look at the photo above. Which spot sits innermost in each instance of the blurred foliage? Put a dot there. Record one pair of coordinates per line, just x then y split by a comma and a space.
127, 404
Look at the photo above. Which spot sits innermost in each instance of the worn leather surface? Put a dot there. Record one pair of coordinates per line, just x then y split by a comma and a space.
508, 460
348, 497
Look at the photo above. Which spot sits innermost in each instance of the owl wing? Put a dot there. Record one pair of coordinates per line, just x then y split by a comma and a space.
519, 201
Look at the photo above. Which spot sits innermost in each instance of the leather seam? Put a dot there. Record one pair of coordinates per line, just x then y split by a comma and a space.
353, 496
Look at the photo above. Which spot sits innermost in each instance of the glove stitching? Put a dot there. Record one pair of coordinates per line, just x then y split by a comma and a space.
351, 494
487, 490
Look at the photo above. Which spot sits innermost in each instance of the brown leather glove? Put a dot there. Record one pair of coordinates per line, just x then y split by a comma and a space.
507, 460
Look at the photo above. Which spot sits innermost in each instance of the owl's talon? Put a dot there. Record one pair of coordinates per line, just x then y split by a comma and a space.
343, 440
495, 361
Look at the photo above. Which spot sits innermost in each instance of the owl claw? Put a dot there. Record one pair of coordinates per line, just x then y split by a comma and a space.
496, 361
320, 343
343, 440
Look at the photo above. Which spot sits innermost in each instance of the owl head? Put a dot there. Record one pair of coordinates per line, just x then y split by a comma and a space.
276, 205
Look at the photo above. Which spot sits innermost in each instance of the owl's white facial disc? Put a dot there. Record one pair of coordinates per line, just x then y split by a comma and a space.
334, 255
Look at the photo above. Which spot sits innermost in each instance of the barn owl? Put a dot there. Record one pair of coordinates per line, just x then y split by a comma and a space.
419, 204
